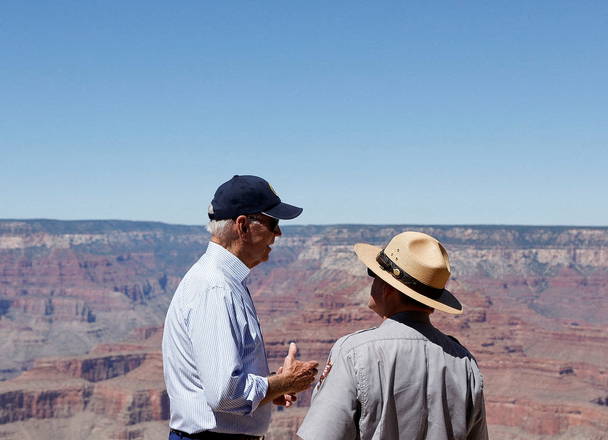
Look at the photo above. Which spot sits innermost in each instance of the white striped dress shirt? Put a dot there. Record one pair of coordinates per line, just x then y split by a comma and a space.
214, 360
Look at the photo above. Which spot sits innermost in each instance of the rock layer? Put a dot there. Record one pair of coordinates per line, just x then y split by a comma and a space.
82, 305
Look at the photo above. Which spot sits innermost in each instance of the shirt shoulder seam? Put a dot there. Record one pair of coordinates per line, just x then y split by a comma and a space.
387, 338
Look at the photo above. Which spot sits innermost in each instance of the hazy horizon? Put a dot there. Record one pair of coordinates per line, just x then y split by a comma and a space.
292, 223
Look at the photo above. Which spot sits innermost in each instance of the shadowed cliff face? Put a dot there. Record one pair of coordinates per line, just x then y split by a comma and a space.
82, 303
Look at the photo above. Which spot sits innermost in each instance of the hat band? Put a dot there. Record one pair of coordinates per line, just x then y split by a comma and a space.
388, 265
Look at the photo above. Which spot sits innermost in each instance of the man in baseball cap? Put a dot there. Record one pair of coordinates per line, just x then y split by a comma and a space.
404, 379
214, 359
249, 195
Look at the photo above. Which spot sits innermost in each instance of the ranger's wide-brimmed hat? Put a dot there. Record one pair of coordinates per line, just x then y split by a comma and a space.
416, 265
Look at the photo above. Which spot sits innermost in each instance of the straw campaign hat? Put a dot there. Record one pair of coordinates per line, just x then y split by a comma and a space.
416, 265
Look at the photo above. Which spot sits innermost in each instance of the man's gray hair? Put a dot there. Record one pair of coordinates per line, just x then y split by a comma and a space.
221, 229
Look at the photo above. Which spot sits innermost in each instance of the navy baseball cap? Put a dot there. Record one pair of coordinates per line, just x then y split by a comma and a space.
244, 195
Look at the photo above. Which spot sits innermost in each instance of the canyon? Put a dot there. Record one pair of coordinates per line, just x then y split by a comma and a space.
82, 305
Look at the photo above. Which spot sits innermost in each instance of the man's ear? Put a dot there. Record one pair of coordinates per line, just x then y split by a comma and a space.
389, 292
242, 225
386, 289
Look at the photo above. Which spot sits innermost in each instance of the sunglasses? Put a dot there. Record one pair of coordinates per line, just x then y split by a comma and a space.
270, 222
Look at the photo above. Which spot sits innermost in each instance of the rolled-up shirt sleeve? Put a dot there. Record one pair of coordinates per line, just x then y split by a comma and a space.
218, 331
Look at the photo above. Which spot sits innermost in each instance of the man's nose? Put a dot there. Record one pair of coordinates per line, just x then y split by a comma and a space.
277, 231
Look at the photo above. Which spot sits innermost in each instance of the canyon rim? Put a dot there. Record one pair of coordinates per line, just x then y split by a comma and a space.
82, 305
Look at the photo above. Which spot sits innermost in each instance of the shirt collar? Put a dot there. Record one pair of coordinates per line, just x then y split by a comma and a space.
411, 316
229, 262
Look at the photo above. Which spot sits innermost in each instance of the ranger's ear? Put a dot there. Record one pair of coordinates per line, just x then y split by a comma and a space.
388, 290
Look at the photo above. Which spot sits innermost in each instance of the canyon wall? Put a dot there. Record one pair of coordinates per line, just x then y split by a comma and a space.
82, 305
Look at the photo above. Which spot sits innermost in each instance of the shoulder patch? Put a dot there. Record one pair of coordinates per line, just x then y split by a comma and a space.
335, 351
326, 371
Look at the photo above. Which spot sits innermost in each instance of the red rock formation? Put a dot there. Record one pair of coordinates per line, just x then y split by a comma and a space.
95, 293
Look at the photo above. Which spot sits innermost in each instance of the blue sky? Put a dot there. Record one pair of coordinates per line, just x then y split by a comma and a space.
361, 112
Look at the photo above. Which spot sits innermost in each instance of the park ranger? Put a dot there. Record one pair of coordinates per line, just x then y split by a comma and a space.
404, 379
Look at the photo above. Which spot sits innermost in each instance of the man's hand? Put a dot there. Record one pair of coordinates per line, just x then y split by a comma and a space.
299, 375
285, 400
293, 377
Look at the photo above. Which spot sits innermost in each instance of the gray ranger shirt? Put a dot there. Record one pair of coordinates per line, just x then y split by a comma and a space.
402, 380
